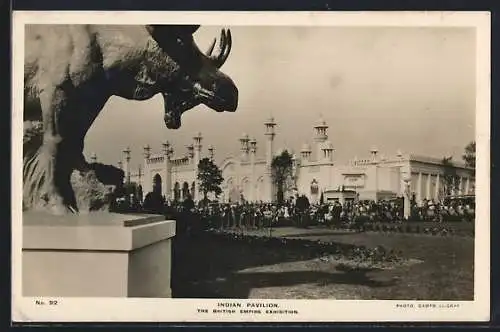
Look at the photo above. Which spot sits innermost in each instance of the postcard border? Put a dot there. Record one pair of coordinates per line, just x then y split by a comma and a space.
145, 310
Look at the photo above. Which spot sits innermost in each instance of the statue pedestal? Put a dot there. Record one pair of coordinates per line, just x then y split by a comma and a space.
96, 255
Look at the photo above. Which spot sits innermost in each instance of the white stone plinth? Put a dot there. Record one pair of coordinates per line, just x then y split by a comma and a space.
97, 255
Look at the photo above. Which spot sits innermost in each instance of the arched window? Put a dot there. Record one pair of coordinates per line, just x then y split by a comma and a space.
185, 190
157, 184
314, 187
177, 191
193, 188
259, 189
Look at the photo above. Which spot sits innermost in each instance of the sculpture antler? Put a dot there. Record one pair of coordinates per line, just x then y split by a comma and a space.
224, 48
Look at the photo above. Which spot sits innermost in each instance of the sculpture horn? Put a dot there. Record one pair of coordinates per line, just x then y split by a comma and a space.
224, 49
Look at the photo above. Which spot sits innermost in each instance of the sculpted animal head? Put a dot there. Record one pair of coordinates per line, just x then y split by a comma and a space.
199, 79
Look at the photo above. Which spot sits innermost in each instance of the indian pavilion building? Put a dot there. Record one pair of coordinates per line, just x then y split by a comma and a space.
248, 177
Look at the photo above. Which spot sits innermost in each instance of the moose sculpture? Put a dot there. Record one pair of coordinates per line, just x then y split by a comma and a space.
71, 71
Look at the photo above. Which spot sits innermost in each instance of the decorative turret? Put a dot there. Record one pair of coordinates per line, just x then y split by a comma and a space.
305, 152
147, 151
168, 150
253, 146
197, 148
244, 140
253, 152
321, 136
327, 149
190, 151
197, 157
211, 152
373, 153
399, 154
270, 124
197, 141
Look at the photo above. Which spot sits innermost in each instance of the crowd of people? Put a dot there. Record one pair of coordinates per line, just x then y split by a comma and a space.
299, 212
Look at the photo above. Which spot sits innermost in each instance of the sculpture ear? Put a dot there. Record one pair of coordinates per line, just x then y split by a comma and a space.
166, 33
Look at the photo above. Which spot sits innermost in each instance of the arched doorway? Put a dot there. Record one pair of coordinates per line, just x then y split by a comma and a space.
233, 194
193, 188
246, 189
259, 189
157, 184
185, 190
177, 191
314, 190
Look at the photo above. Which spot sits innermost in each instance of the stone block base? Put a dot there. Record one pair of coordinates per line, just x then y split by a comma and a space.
97, 255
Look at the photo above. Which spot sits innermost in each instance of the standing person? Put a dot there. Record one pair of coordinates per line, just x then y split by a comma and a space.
243, 216
258, 217
286, 213
233, 216
268, 216
280, 214
188, 204
302, 207
226, 216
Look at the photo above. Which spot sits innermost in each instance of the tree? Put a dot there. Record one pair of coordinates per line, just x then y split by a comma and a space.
210, 177
469, 155
449, 176
281, 172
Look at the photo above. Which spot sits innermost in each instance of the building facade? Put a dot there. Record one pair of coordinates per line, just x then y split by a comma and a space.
316, 174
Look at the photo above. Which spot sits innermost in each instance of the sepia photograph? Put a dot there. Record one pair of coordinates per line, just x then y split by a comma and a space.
250, 166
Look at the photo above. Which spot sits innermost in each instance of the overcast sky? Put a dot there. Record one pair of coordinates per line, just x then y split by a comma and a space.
394, 88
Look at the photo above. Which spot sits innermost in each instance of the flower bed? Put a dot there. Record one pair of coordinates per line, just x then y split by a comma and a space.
422, 228
350, 252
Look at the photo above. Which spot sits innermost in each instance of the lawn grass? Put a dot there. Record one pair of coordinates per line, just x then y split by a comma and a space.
441, 268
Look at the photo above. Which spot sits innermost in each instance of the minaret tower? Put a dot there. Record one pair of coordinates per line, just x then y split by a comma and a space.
270, 134
253, 152
197, 157
126, 153
167, 154
147, 187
